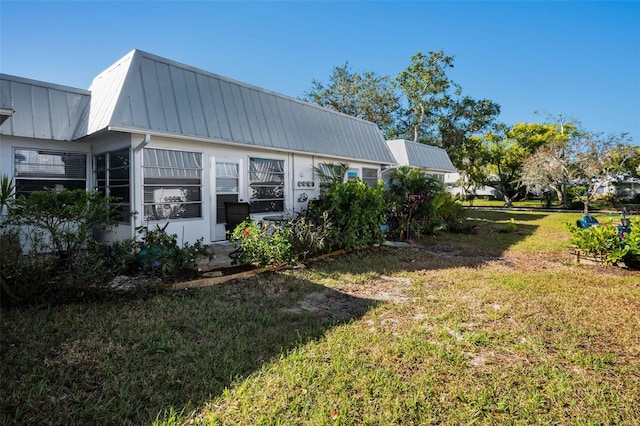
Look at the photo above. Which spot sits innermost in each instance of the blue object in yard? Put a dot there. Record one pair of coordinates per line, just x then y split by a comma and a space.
587, 221
625, 228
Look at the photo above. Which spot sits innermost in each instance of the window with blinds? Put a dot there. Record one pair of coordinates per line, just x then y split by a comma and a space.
35, 170
370, 176
112, 179
172, 184
266, 185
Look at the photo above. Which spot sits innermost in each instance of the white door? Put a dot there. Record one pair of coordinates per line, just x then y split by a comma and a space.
226, 186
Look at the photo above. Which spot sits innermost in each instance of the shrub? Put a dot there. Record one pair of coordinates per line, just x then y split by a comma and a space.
608, 244
356, 213
420, 205
48, 240
632, 240
157, 253
310, 237
263, 244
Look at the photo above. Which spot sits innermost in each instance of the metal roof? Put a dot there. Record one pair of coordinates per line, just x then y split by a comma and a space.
422, 156
146, 93
35, 109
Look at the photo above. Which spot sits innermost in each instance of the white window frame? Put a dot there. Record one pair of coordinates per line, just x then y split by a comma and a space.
172, 184
267, 188
370, 180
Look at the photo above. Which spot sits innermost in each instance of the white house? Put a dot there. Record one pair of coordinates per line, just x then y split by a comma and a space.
174, 143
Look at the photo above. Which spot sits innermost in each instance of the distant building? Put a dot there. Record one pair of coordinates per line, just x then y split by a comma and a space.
430, 159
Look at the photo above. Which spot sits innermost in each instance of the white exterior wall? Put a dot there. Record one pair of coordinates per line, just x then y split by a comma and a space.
299, 180
301, 185
399, 151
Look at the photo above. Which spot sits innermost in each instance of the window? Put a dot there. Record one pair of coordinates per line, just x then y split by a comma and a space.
172, 184
35, 170
352, 175
370, 176
112, 179
266, 183
227, 186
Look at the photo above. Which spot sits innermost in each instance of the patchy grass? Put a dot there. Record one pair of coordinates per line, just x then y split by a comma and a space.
495, 328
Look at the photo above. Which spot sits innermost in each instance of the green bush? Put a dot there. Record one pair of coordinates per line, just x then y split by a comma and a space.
310, 237
48, 242
632, 241
263, 244
157, 253
608, 244
420, 205
356, 213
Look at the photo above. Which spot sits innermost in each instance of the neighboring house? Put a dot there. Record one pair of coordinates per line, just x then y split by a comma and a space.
452, 184
625, 189
430, 159
174, 142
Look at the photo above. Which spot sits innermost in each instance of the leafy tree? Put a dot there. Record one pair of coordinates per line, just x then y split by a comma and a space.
422, 104
505, 156
625, 161
367, 96
529, 155
548, 168
427, 90
598, 160
460, 131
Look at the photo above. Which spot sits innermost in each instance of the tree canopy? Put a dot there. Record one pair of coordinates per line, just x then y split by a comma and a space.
364, 95
422, 103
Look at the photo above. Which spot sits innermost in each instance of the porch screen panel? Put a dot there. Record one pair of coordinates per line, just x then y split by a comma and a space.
172, 184
266, 185
227, 187
112, 179
35, 170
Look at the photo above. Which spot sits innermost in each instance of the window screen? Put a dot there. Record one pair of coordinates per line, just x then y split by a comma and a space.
227, 186
172, 184
112, 179
266, 185
35, 170
370, 176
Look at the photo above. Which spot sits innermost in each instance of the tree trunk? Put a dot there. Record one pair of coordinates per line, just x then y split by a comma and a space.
559, 194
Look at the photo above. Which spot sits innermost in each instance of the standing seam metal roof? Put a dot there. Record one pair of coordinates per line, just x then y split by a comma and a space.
428, 157
43, 110
144, 92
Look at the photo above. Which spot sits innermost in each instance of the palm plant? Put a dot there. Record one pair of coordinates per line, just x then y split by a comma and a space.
7, 188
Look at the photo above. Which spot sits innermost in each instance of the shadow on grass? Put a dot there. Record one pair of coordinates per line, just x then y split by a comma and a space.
132, 361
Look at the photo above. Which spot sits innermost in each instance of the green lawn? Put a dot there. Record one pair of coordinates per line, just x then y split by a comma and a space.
495, 328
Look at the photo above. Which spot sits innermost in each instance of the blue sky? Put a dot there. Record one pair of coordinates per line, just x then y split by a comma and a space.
579, 59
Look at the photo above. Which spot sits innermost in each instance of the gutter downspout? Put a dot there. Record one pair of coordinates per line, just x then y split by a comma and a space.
137, 182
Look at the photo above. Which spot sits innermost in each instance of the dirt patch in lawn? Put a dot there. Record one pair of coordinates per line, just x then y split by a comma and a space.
352, 300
